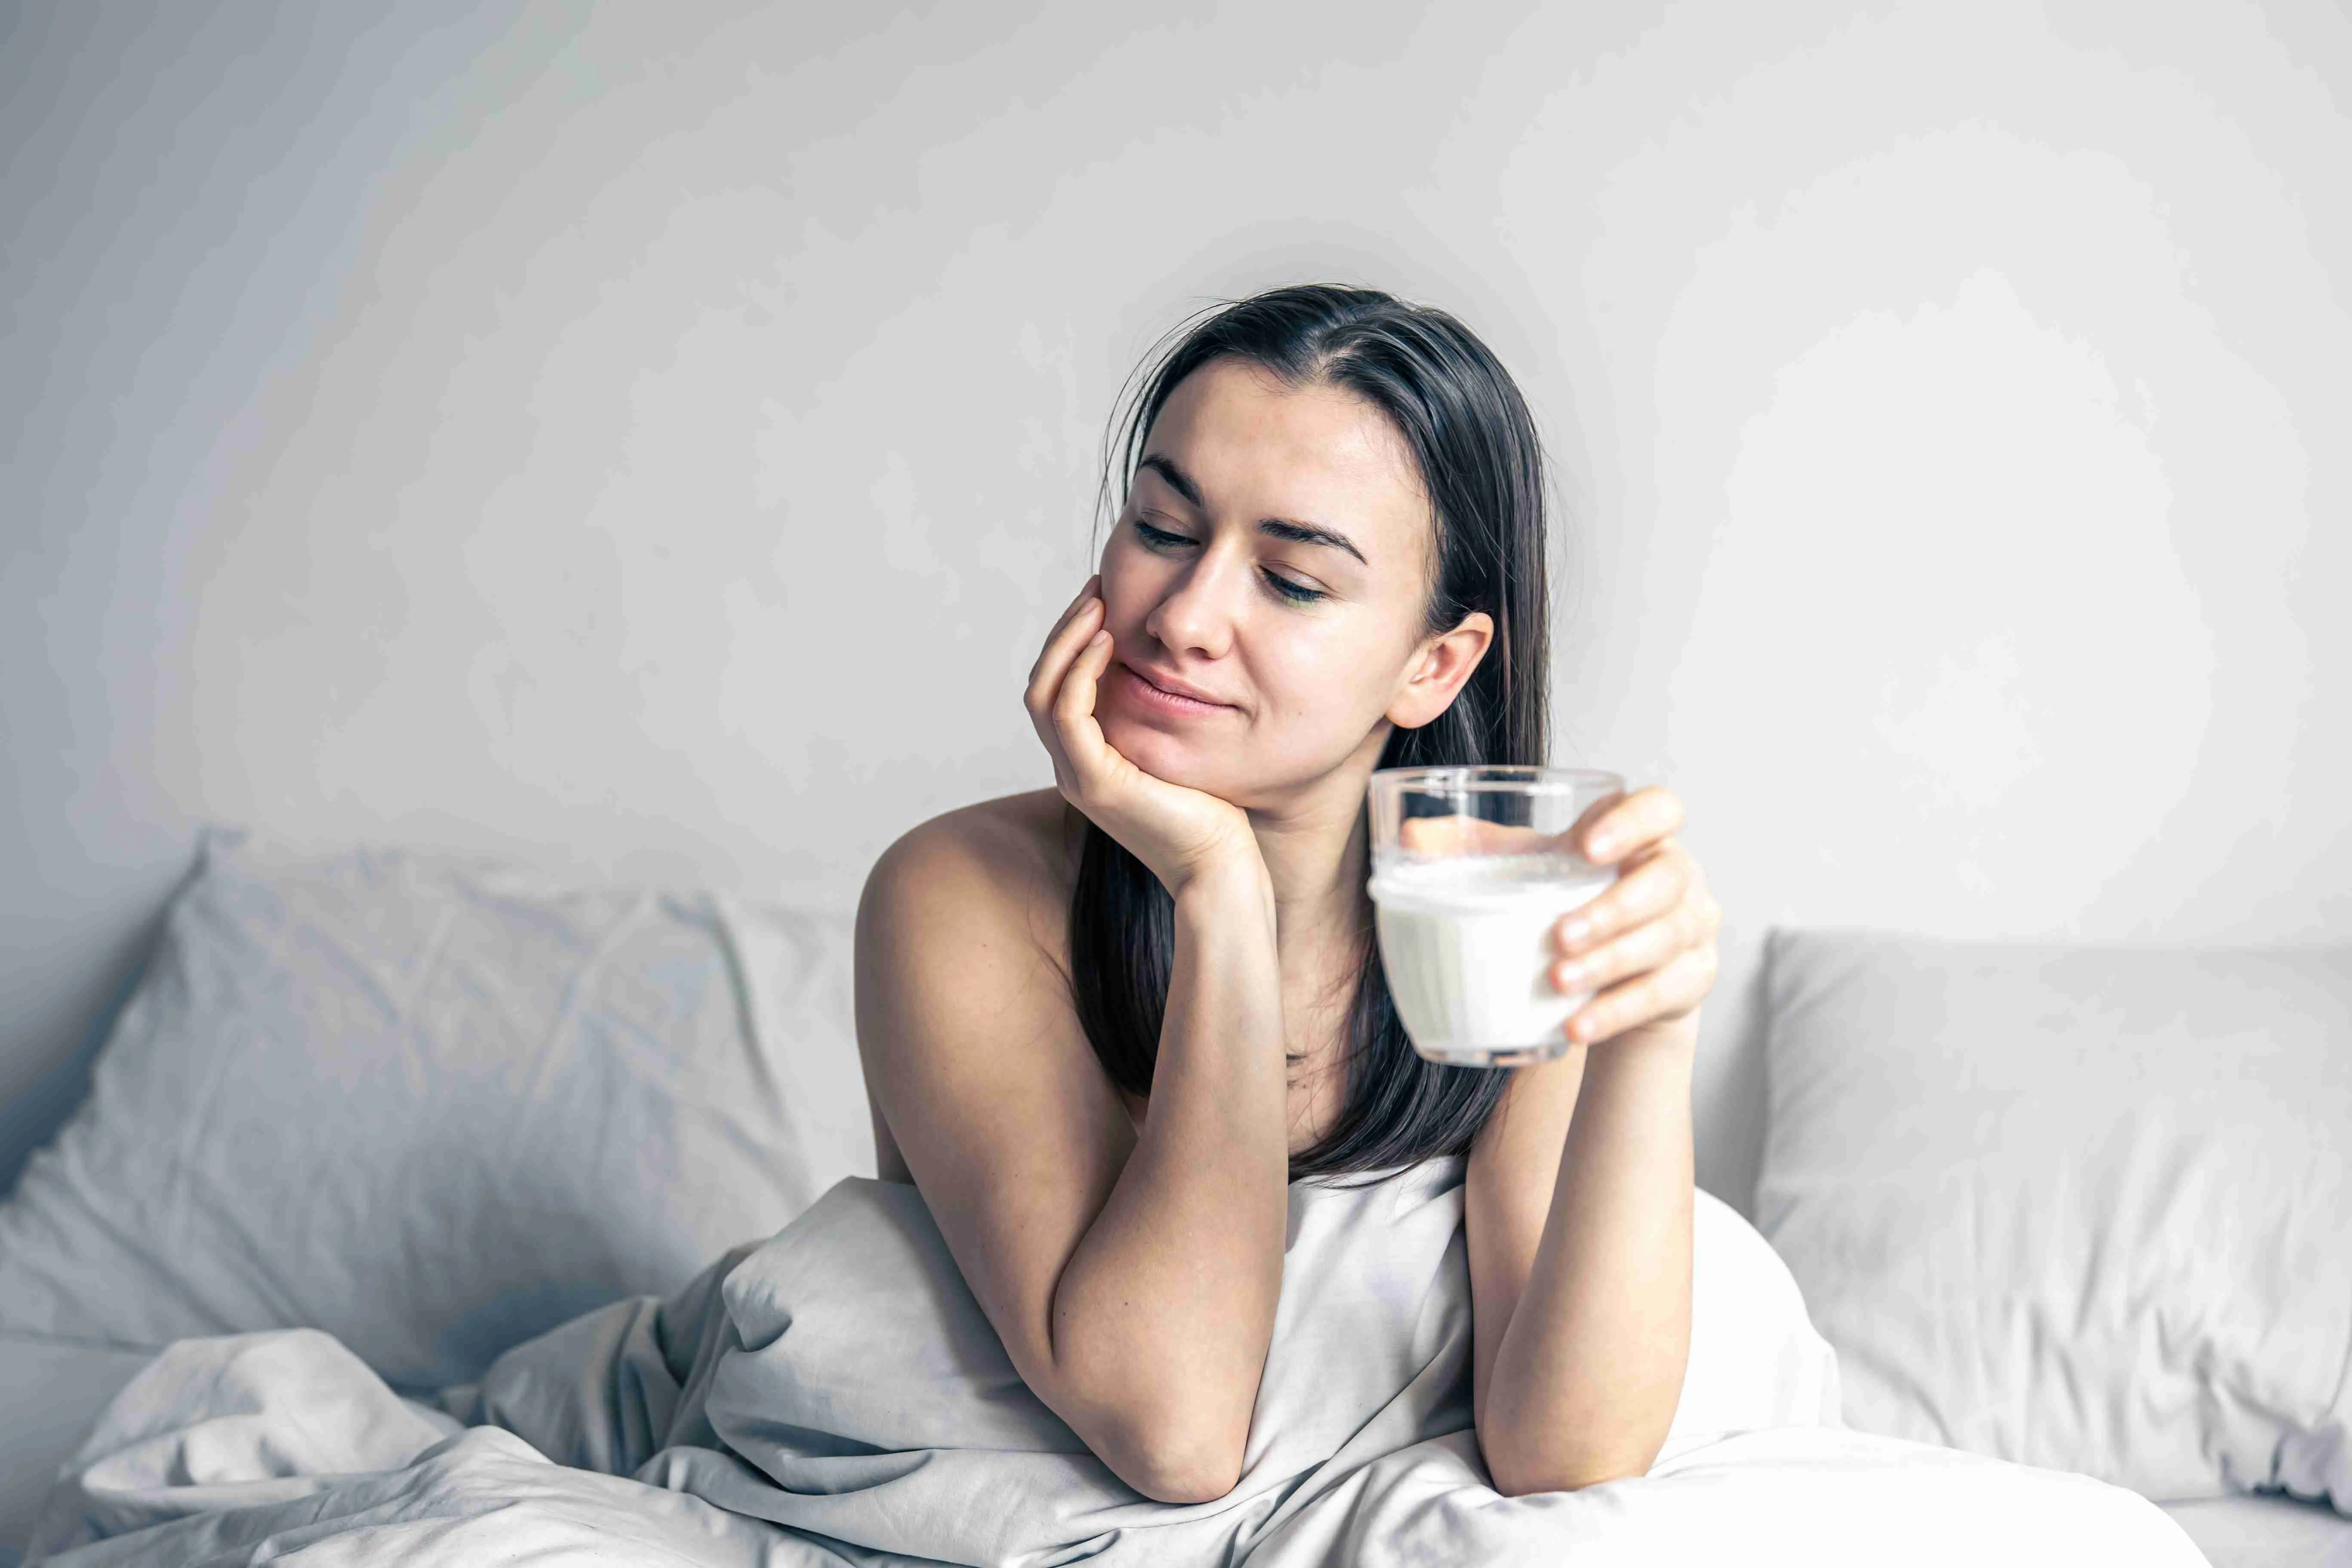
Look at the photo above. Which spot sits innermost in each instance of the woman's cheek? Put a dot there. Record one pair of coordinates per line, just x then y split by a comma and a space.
1312, 671
1132, 585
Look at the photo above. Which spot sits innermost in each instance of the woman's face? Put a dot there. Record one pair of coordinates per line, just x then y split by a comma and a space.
1273, 557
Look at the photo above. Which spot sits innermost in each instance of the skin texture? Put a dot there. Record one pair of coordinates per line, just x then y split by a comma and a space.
1129, 1253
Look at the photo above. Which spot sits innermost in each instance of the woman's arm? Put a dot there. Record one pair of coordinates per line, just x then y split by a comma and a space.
1580, 1190
1132, 1278
1580, 1365
1162, 1317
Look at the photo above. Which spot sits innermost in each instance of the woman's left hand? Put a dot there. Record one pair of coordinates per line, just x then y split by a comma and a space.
1645, 946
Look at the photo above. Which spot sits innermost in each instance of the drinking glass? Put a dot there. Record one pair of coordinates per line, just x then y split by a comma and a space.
1472, 868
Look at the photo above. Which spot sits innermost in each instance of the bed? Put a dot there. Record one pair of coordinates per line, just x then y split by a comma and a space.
445, 1155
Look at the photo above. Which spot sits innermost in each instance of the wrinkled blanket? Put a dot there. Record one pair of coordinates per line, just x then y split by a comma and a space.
835, 1395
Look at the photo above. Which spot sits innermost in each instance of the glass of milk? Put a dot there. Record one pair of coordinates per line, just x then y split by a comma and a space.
1471, 869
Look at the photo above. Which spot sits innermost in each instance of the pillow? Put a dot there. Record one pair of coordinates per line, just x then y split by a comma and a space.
1755, 1360
2085, 1208
434, 1106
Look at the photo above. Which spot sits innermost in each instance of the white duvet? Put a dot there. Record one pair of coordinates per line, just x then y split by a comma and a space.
835, 1395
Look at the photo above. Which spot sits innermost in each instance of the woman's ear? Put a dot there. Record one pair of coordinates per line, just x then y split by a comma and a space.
1437, 669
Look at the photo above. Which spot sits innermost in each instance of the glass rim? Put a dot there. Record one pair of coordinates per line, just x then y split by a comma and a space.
1455, 777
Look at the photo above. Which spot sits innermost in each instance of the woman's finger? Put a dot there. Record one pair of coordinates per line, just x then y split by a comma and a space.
1656, 994
1074, 709
1090, 588
1617, 826
1053, 664
1064, 638
1653, 944
1088, 591
1655, 882
1045, 680
1461, 835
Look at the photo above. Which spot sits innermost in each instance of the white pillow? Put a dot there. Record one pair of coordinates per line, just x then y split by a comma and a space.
435, 1107
1755, 1360
2087, 1207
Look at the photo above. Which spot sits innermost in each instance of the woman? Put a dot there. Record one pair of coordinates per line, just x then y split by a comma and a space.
1103, 1026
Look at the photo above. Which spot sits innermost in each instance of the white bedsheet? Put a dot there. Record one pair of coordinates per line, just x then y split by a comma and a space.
2265, 1531
835, 1395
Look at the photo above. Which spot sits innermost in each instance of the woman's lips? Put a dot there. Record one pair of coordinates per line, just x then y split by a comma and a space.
1161, 701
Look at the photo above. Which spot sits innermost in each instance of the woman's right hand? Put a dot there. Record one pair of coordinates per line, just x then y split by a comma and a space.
1177, 831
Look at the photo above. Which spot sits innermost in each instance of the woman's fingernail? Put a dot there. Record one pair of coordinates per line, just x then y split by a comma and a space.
1574, 931
1570, 974
1600, 843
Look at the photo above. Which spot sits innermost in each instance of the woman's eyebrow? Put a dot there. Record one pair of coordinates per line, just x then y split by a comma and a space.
1181, 482
1307, 533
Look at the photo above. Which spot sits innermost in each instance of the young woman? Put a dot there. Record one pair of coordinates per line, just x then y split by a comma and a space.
1105, 1025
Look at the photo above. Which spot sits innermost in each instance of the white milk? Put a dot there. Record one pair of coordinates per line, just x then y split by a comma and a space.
1468, 949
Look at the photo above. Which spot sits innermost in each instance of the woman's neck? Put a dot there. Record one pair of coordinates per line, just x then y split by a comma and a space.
1315, 848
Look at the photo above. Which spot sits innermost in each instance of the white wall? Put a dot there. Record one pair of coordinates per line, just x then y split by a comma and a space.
657, 445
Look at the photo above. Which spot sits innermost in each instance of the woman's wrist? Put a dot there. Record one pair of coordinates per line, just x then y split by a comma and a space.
1640, 1079
1669, 1042
1228, 969
1233, 880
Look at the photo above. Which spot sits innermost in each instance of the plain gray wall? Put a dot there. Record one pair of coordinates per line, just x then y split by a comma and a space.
654, 441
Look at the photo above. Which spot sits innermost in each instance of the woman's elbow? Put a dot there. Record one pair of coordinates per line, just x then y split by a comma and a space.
1171, 1440
1516, 1475
1177, 1468
1184, 1479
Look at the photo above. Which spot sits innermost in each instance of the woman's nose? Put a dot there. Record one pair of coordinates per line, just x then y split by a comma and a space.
1196, 615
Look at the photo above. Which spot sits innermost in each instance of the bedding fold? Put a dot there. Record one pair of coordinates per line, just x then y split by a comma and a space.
834, 1394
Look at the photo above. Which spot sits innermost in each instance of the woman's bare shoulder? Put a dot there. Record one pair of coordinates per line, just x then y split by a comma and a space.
976, 1065
1010, 860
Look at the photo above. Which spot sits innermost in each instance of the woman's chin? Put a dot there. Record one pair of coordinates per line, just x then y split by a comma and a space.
1157, 752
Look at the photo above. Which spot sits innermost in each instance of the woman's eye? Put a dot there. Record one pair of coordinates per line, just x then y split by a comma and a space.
1160, 538
1292, 590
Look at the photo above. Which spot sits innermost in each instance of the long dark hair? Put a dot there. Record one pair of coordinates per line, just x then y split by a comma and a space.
1481, 463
